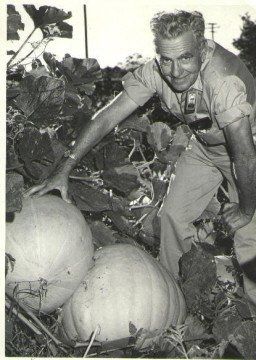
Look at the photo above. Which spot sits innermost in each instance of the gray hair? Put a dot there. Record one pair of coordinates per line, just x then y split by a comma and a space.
170, 25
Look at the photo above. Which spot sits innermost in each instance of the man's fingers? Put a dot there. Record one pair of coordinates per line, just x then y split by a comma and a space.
33, 190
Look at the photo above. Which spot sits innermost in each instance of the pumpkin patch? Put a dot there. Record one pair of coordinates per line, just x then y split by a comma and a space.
51, 245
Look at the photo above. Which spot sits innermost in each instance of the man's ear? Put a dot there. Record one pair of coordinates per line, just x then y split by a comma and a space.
203, 50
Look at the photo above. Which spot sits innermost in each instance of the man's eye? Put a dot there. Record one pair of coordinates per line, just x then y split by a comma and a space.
186, 58
165, 61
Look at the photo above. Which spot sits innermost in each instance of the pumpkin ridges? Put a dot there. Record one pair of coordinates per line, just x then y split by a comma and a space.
43, 241
151, 291
113, 319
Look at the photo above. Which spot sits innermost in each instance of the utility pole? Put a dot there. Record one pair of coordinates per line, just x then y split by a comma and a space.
85, 33
213, 26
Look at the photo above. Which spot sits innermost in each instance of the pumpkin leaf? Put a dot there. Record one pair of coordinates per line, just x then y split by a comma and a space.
135, 122
243, 308
159, 135
160, 188
123, 178
111, 155
12, 160
225, 325
13, 23
195, 331
102, 235
61, 29
36, 152
198, 276
46, 15
38, 70
14, 189
81, 73
90, 199
150, 231
177, 145
122, 223
41, 99
244, 339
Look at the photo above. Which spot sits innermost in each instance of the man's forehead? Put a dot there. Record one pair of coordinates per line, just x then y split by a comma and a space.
185, 42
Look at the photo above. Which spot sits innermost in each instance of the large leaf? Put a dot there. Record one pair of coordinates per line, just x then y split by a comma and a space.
135, 122
13, 23
160, 188
80, 73
90, 199
124, 178
46, 15
102, 235
38, 69
61, 29
179, 141
12, 160
226, 324
198, 276
159, 136
35, 151
245, 339
14, 188
150, 227
123, 223
111, 155
41, 99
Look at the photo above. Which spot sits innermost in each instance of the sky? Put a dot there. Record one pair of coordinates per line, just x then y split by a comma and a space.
119, 28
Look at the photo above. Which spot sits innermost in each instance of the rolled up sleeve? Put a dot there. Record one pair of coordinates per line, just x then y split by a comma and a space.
230, 103
139, 84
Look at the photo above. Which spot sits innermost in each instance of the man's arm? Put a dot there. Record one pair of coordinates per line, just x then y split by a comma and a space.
243, 156
102, 123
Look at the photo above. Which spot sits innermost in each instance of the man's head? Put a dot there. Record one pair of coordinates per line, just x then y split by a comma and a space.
179, 40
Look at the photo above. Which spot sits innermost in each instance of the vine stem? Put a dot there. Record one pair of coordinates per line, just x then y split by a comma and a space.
31, 52
42, 326
21, 47
95, 333
23, 319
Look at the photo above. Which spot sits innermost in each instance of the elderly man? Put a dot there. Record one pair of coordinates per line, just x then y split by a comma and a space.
211, 90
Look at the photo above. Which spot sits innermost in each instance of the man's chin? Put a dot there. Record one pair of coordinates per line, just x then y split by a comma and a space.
180, 88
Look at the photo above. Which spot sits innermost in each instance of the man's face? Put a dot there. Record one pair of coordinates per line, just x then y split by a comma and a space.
180, 60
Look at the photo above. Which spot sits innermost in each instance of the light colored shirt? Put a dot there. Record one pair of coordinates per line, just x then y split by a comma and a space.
226, 92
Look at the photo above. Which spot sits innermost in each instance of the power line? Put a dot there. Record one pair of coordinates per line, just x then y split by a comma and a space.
213, 26
85, 33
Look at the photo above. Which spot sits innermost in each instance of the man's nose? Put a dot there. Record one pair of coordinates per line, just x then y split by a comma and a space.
175, 69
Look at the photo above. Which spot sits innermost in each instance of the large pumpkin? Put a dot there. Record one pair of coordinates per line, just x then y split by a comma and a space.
52, 247
125, 287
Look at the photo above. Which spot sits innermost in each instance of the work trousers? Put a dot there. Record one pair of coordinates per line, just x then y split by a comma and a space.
199, 172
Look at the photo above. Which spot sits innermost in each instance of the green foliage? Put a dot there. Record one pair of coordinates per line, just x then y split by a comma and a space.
50, 20
13, 23
246, 43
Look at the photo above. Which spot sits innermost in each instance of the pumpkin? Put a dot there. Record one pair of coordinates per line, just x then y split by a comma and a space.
126, 288
52, 247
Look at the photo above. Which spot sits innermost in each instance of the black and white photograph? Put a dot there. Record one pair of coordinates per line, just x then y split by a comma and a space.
130, 179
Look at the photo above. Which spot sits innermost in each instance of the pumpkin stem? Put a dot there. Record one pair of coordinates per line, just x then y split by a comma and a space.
96, 332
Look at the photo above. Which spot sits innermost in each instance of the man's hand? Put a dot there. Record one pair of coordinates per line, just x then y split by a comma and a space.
233, 218
59, 182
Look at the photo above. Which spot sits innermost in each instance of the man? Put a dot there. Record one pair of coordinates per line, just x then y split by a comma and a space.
212, 91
